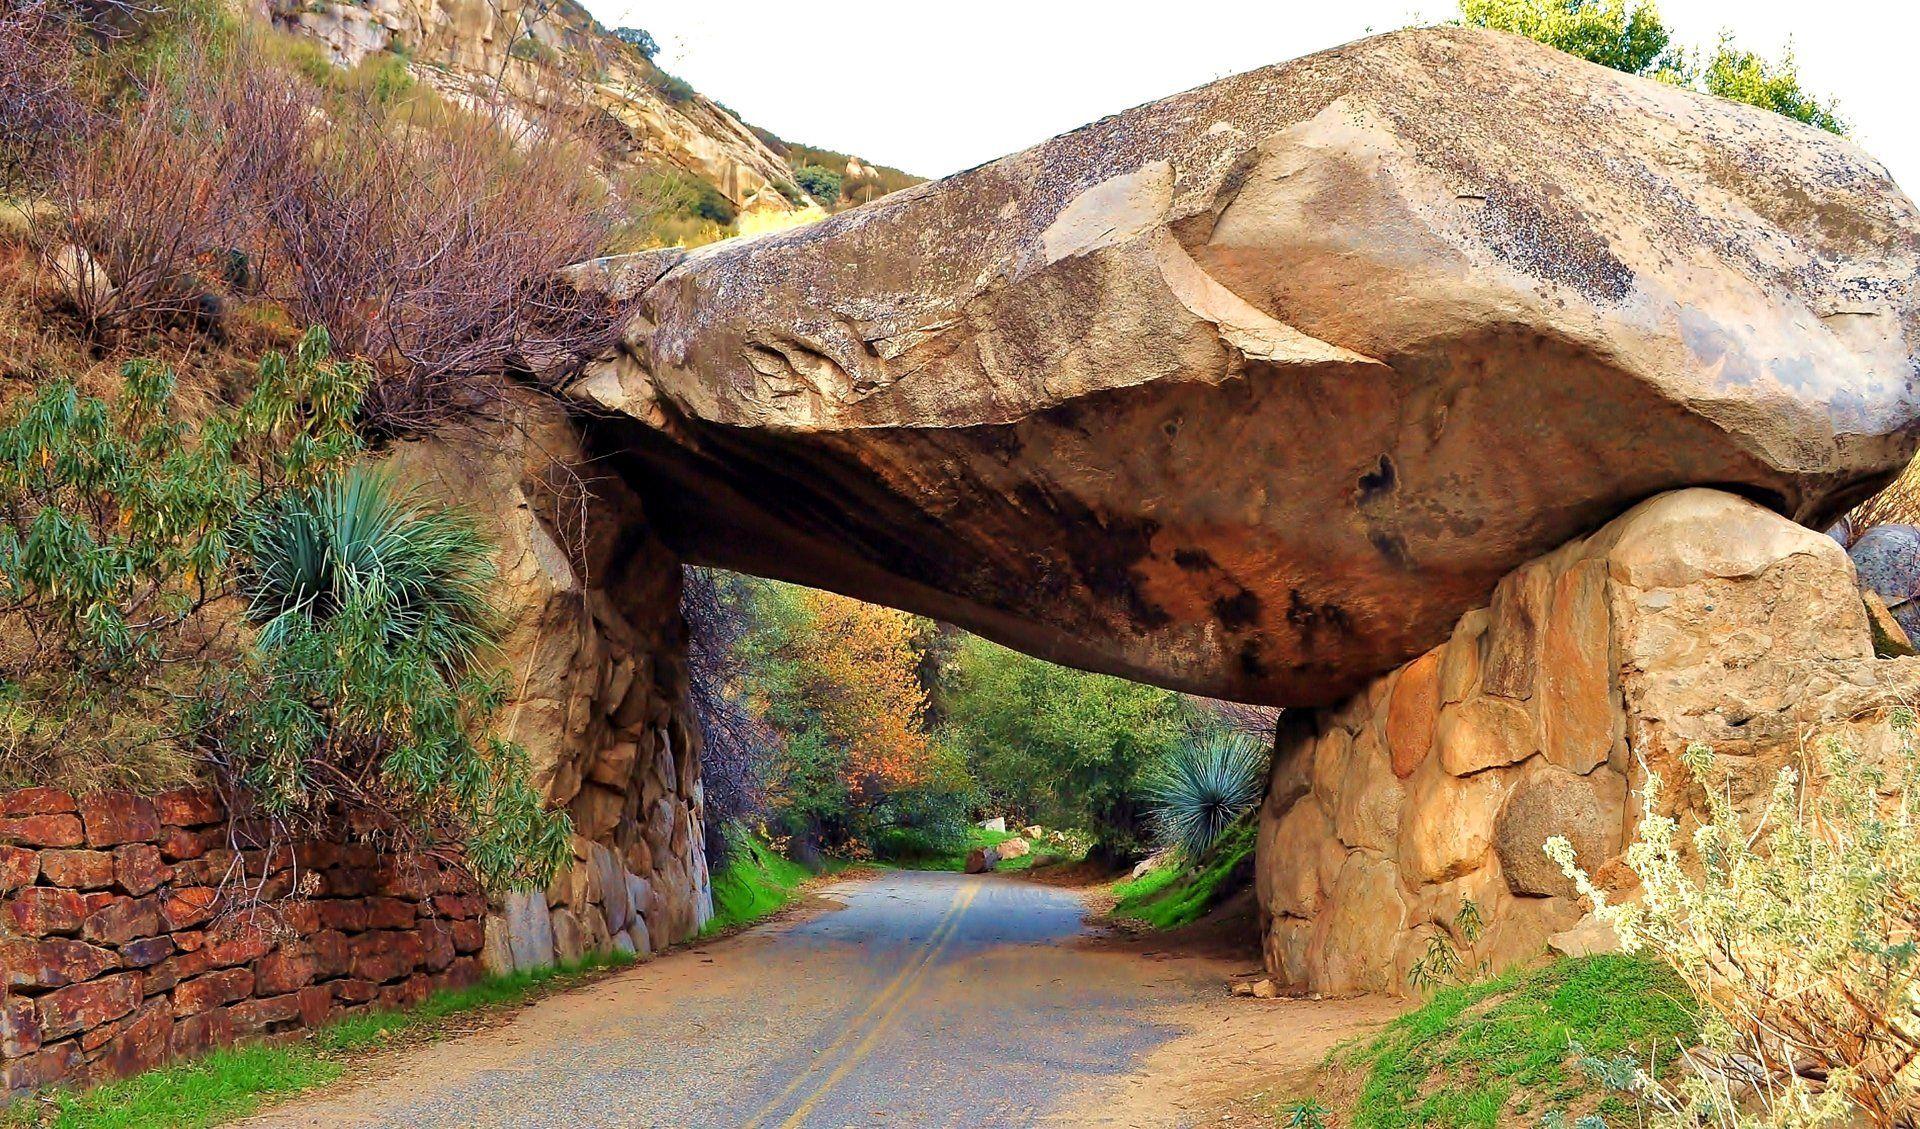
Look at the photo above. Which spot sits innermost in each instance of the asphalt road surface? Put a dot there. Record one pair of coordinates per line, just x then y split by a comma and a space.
917, 999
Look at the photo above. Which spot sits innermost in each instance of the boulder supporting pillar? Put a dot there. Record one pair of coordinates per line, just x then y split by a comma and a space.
595, 656
1697, 616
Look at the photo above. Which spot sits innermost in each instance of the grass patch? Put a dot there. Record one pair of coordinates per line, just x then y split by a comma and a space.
756, 881
1497, 1052
237, 1081
1176, 895
922, 858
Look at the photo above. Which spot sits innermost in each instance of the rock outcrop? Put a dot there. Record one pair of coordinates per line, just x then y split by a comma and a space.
597, 686
1253, 390
547, 53
1695, 617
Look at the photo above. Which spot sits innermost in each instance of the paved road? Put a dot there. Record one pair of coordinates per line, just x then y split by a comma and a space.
930, 999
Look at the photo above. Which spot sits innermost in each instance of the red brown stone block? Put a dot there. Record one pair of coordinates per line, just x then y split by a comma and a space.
389, 913
138, 868
36, 801
19, 1026
123, 919
288, 970
113, 818
197, 1034
459, 905
53, 962
211, 990
51, 1064
354, 991
180, 844
239, 939
19, 867
43, 831
77, 870
38, 911
141, 1044
346, 914
406, 993
316, 1004
187, 906
146, 951
190, 807
254, 1016
332, 955
386, 956
81, 1006
468, 935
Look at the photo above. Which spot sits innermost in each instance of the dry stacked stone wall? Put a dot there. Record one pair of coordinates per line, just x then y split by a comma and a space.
1695, 617
137, 929
595, 660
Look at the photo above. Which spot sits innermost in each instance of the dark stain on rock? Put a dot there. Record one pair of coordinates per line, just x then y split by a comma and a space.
1193, 560
1250, 662
1311, 618
1238, 611
1378, 482
1391, 546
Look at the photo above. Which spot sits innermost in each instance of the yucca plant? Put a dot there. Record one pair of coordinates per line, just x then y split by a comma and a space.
1201, 788
359, 540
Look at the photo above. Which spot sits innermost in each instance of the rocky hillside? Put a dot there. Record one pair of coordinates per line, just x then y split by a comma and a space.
550, 53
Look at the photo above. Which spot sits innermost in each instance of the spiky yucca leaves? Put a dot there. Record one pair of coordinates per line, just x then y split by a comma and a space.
1197, 792
374, 608
359, 539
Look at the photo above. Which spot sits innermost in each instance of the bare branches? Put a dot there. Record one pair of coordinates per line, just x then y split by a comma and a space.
432, 252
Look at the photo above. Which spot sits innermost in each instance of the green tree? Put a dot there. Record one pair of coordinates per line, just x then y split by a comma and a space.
1614, 33
1061, 745
1746, 77
1629, 35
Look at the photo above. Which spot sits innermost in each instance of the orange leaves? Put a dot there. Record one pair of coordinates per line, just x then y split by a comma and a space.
859, 663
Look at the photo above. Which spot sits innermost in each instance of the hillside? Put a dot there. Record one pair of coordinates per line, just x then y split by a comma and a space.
677, 154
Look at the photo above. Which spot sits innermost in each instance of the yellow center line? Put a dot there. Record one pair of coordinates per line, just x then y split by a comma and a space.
880, 1025
852, 1026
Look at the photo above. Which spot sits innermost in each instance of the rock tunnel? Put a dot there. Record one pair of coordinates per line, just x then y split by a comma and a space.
1262, 391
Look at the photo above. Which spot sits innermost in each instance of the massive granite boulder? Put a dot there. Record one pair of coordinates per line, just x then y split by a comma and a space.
1253, 390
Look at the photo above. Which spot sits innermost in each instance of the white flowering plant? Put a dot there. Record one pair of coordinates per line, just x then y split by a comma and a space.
1796, 929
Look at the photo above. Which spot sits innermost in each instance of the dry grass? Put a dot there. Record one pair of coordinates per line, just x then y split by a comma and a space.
1898, 504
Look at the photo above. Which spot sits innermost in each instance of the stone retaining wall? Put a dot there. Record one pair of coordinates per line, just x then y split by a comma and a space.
1695, 617
135, 929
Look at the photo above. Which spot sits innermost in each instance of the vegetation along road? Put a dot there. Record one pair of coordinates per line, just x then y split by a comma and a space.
920, 998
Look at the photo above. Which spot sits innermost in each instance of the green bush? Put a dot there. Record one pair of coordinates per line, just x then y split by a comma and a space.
1203, 787
823, 184
372, 610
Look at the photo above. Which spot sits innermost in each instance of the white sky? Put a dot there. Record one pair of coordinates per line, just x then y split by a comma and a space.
935, 88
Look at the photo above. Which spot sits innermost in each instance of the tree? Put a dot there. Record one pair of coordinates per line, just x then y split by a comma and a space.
1628, 35
1613, 33
1746, 77
1060, 745
640, 40
839, 682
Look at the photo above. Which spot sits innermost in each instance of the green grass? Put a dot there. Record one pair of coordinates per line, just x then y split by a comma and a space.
957, 859
756, 881
1498, 1051
1176, 895
237, 1081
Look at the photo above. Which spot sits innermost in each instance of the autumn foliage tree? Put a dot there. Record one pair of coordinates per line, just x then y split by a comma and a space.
839, 681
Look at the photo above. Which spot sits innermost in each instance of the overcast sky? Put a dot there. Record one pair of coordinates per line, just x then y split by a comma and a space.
935, 88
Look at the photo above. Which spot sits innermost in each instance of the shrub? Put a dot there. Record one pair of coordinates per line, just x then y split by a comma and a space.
154, 203
673, 88
823, 184
359, 695
1199, 790
117, 535
432, 252
313, 555
639, 39
37, 98
1796, 930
